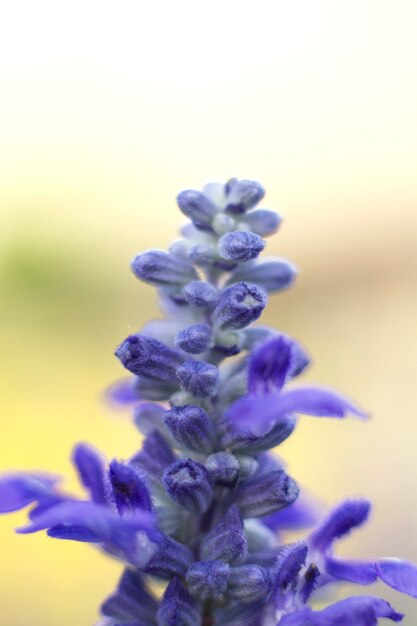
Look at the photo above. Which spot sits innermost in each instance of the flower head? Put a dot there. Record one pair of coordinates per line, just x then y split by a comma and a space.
203, 506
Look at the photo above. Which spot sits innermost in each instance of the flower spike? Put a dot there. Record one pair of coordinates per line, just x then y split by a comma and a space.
201, 509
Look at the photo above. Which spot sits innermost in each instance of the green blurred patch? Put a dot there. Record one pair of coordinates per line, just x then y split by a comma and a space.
68, 287
42, 283
38, 270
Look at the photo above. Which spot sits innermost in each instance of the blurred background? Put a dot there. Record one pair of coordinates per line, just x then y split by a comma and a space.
107, 111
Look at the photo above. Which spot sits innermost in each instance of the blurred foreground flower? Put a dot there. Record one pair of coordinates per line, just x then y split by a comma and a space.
202, 505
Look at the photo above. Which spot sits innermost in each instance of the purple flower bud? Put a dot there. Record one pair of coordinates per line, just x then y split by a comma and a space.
149, 416
246, 441
129, 391
171, 558
201, 294
226, 541
273, 275
189, 484
146, 356
194, 339
205, 255
240, 245
128, 489
199, 378
242, 195
197, 206
249, 583
265, 493
239, 306
191, 427
262, 222
177, 607
162, 268
223, 468
207, 579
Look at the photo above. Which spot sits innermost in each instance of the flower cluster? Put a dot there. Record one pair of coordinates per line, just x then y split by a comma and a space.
202, 506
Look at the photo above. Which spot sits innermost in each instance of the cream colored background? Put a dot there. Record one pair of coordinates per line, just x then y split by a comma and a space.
107, 111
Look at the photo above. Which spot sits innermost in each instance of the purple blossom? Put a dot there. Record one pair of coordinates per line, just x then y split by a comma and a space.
202, 506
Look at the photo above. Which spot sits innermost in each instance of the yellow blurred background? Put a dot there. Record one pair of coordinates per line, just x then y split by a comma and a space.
107, 110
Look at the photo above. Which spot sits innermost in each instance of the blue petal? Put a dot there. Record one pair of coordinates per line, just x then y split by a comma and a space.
104, 523
359, 572
73, 533
288, 564
354, 611
363, 609
90, 466
319, 401
19, 490
259, 412
123, 392
345, 516
132, 390
310, 581
128, 489
272, 363
400, 575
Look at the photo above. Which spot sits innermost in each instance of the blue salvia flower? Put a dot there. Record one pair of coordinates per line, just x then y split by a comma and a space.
203, 505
